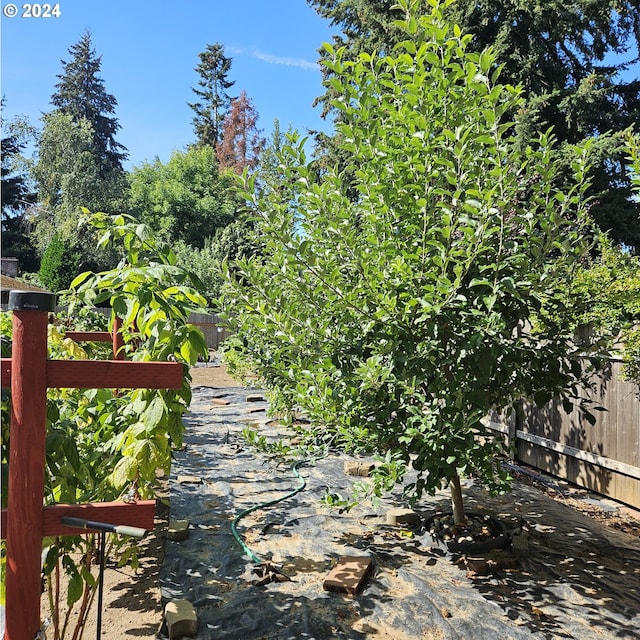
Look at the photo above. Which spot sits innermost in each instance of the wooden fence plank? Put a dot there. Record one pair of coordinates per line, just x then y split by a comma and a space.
108, 374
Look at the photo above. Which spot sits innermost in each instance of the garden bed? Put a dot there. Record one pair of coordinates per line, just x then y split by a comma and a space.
574, 571
570, 575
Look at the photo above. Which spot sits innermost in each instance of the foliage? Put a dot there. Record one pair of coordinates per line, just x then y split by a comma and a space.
15, 188
81, 94
569, 57
610, 282
186, 198
399, 319
16, 194
236, 240
59, 264
103, 445
214, 101
241, 143
69, 175
79, 161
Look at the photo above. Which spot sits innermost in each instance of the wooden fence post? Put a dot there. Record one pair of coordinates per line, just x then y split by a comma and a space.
27, 460
26, 520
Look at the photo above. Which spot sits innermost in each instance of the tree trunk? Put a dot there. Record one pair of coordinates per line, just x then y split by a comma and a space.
456, 499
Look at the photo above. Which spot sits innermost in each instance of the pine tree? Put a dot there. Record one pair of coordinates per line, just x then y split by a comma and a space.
241, 142
81, 94
17, 196
214, 100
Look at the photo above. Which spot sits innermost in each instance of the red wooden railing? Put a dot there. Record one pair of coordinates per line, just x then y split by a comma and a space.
26, 521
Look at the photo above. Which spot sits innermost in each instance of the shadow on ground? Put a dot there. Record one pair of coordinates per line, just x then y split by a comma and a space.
573, 578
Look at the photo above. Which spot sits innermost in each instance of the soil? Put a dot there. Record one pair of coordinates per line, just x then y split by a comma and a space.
132, 602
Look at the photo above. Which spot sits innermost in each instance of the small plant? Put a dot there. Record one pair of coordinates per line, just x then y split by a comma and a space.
101, 445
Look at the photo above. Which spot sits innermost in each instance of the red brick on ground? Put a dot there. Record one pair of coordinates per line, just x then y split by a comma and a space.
349, 575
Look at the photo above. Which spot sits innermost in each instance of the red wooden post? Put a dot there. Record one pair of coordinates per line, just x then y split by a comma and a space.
26, 461
118, 341
29, 373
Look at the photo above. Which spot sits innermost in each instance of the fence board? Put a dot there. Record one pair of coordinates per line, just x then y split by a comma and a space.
604, 457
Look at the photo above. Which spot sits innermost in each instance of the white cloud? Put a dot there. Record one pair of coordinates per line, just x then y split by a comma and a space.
288, 62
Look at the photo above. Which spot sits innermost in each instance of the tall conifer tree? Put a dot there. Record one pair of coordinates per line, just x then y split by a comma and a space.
241, 142
214, 101
81, 94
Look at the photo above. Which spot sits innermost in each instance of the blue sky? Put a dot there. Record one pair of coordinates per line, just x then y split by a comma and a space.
149, 51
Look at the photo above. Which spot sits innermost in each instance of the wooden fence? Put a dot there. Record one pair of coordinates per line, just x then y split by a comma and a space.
603, 457
210, 325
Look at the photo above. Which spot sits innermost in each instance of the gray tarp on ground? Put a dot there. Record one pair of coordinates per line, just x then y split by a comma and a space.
579, 580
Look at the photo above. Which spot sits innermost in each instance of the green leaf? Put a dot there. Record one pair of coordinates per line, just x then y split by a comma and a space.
74, 589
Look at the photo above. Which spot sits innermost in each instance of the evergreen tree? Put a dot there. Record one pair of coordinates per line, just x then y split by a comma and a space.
60, 264
241, 142
214, 100
16, 197
568, 57
81, 94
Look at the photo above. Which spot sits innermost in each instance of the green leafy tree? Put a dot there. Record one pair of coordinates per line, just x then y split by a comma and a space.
69, 175
235, 241
214, 101
269, 172
186, 198
568, 57
79, 161
241, 142
82, 95
397, 320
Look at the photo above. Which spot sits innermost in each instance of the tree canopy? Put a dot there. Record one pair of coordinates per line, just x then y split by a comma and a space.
82, 95
568, 56
70, 174
186, 198
17, 196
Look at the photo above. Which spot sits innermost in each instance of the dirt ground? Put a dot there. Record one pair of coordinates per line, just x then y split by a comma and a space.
132, 603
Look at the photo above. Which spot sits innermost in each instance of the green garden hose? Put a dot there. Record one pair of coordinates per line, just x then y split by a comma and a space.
264, 505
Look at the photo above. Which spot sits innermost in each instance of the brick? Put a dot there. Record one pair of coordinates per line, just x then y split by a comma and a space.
358, 468
178, 530
349, 574
181, 619
256, 409
402, 516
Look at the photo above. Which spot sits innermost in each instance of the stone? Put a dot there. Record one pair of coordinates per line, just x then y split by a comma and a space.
178, 530
189, 480
255, 398
402, 516
181, 619
358, 468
